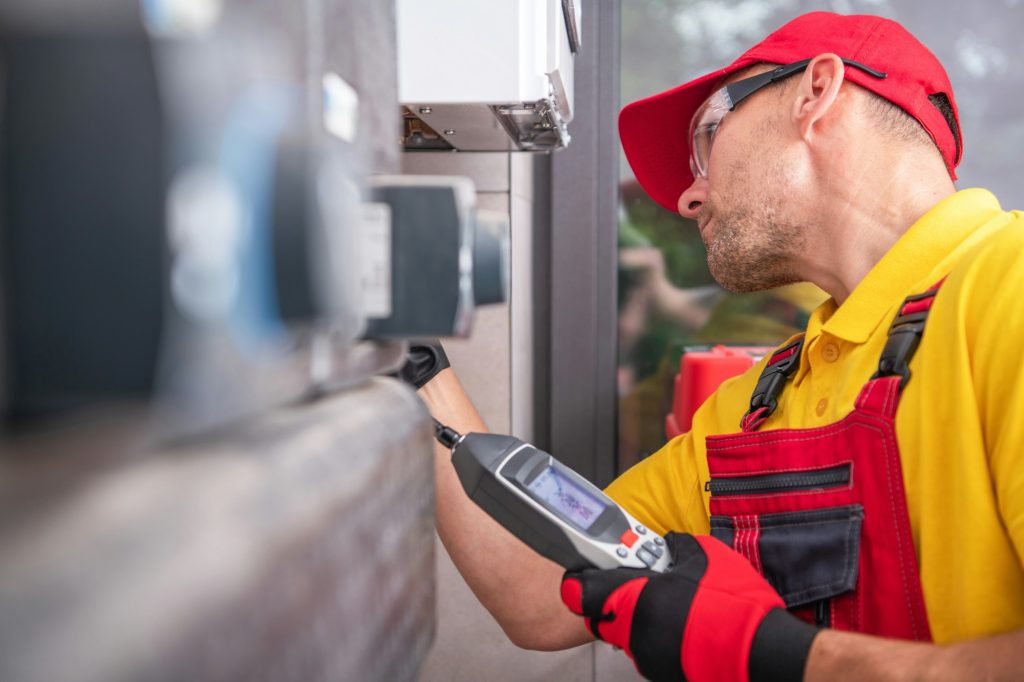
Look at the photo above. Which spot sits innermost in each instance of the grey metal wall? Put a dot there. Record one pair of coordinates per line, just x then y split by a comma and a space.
291, 541
294, 547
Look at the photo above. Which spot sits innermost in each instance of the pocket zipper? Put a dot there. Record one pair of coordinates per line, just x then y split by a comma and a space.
832, 477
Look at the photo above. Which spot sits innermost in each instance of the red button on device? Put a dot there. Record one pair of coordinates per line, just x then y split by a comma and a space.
628, 538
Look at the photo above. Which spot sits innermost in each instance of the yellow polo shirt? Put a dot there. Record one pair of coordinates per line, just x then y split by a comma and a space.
960, 423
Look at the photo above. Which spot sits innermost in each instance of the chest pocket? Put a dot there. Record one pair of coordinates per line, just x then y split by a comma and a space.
807, 556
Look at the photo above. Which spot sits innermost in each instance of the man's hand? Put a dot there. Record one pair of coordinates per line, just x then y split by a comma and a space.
423, 361
711, 617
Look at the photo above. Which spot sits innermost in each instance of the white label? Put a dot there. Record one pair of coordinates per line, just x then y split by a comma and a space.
341, 107
375, 277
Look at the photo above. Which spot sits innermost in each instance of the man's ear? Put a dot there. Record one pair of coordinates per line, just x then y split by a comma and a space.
817, 92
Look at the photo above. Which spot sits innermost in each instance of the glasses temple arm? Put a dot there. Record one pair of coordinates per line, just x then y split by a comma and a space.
742, 89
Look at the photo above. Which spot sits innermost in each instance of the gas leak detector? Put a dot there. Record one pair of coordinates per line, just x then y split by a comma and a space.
550, 507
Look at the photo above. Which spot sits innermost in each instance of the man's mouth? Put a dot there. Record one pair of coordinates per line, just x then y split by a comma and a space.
702, 224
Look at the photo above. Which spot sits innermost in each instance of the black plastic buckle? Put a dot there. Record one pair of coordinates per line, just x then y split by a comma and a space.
767, 391
774, 377
904, 336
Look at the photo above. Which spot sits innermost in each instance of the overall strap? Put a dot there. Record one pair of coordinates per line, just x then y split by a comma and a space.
773, 377
881, 395
905, 334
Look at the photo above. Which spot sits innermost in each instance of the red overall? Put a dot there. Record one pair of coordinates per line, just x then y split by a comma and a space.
821, 512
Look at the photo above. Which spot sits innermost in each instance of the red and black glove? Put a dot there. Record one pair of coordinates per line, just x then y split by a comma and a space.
712, 617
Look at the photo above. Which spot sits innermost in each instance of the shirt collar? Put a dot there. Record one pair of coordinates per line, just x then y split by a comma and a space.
915, 256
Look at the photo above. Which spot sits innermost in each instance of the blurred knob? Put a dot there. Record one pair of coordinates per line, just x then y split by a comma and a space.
491, 258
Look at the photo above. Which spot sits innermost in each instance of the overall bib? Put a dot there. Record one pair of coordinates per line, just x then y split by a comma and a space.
822, 512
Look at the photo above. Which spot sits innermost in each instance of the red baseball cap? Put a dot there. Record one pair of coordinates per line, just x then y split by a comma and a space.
654, 131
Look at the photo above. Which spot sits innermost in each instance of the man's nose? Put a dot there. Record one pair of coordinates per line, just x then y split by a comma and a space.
692, 198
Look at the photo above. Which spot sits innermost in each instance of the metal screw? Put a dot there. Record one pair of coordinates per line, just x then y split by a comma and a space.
449, 131
425, 110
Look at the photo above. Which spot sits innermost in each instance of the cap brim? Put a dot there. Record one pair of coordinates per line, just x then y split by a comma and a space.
655, 135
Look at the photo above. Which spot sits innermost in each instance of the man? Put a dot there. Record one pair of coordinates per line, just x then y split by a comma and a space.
878, 485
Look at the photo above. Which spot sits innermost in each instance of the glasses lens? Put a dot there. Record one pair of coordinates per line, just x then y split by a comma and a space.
703, 126
701, 148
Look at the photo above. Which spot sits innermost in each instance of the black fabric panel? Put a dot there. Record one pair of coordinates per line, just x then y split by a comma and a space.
780, 648
599, 585
806, 556
722, 529
811, 555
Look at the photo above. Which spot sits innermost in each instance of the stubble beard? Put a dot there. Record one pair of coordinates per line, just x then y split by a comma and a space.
752, 249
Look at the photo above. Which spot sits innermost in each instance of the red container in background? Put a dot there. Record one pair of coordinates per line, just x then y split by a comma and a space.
701, 370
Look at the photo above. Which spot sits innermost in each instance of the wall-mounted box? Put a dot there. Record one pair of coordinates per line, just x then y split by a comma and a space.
483, 76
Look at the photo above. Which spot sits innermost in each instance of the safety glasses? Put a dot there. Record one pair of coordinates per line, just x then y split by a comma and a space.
708, 118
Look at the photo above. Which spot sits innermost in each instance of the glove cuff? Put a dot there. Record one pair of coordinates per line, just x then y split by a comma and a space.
780, 648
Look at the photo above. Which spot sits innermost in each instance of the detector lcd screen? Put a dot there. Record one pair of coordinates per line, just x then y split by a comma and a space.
562, 494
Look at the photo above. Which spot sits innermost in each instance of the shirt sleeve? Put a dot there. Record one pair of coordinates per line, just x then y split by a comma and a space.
995, 329
666, 491
663, 491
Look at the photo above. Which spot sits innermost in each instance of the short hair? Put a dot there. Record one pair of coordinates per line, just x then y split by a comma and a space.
894, 120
